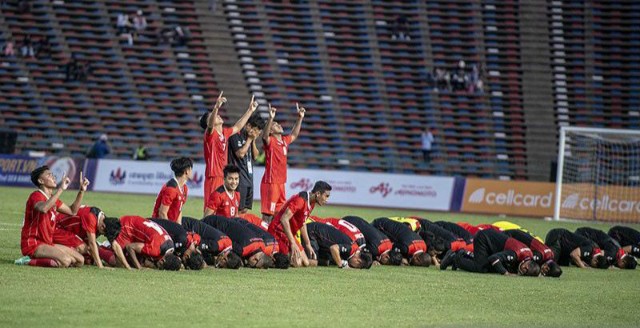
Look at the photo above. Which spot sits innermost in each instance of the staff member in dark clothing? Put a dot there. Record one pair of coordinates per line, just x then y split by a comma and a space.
494, 251
333, 246
410, 245
569, 247
378, 244
628, 238
242, 152
613, 252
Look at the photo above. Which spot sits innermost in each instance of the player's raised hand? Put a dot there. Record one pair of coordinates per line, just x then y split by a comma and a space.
65, 182
272, 112
253, 105
84, 182
300, 110
221, 100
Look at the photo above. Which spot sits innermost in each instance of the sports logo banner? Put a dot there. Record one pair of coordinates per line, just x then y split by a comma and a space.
508, 197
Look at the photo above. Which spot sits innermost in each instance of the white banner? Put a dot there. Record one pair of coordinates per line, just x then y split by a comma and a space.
141, 177
349, 188
371, 189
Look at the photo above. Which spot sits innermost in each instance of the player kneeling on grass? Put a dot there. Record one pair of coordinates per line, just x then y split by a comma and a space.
43, 207
569, 247
291, 219
334, 247
407, 242
214, 245
542, 254
493, 251
144, 238
185, 245
613, 252
246, 244
628, 238
225, 200
173, 194
280, 261
378, 244
80, 232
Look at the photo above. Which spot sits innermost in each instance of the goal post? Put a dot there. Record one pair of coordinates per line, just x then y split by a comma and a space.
598, 177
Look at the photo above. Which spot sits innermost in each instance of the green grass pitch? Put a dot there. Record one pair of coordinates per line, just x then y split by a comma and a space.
315, 297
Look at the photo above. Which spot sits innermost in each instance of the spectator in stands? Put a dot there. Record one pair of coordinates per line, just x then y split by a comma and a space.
213, 5
83, 70
27, 47
427, 143
71, 68
139, 21
124, 27
459, 79
9, 50
140, 154
101, 148
43, 47
401, 28
475, 80
442, 78
181, 35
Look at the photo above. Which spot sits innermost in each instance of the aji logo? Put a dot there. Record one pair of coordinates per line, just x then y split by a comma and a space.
384, 188
117, 176
303, 184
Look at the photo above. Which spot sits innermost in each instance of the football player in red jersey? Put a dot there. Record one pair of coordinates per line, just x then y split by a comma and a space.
225, 200
41, 210
173, 194
276, 146
216, 139
139, 236
291, 219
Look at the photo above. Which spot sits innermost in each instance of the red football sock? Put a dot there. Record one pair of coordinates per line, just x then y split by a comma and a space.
44, 262
107, 255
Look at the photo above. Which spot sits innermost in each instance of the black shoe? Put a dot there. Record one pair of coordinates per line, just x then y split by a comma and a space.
447, 260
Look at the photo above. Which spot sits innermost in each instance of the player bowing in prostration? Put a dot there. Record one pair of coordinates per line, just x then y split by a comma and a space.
569, 247
139, 236
291, 219
335, 247
493, 251
42, 209
276, 147
225, 200
185, 244
613, 252
407, 242
628, 238
246, 244
85, 226
216, 139
173, 194
214, 245
378, 244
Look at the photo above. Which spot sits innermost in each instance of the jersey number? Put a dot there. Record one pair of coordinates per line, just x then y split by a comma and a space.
154, 226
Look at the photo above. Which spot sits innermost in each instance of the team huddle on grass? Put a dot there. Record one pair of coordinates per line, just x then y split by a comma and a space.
287, 235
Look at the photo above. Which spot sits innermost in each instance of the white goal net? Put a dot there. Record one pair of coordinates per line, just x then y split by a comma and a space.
598, 175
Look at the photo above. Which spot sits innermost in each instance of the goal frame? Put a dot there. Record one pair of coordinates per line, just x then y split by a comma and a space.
561, 152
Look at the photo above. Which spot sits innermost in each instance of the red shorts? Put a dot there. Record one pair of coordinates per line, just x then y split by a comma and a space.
272, 197
66, 238
284, 247
157, 247
210, 185
30, 245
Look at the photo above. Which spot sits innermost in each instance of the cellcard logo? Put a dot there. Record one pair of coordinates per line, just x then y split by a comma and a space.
477, 196
571, 201
383, 188
196, 181
303, 184
117, 176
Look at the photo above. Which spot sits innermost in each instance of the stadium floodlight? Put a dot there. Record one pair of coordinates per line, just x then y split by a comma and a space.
598, 175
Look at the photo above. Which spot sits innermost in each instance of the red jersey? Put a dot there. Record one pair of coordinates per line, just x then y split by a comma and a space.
275, 170
522, 251
37, 225
300, 206
215, 151
224, 204
256, 220
136, 229
84, 222
171, 195
345, 227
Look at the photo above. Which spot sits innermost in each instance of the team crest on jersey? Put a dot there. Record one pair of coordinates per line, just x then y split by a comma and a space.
117, 176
